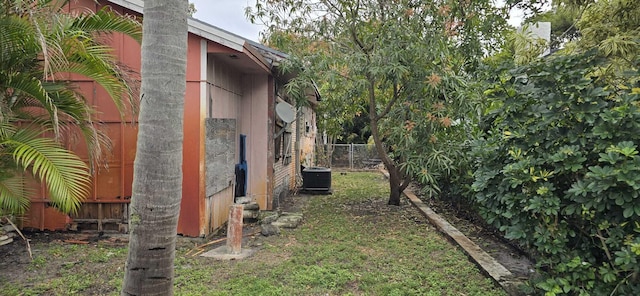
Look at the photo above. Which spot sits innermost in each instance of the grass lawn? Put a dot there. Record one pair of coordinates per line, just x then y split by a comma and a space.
350, 243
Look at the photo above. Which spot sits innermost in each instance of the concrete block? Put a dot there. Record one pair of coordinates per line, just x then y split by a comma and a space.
269, 218
244, 199
251, 206
269, 229
250, 214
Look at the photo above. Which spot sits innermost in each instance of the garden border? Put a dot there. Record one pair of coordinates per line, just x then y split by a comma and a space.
488, 264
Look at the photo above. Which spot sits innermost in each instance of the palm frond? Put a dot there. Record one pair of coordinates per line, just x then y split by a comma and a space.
17, 47
25, 85
40, 44
95, 62
105, 21
13, 195
65, 175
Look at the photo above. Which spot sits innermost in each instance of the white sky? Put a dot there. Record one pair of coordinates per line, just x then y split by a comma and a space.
229, 15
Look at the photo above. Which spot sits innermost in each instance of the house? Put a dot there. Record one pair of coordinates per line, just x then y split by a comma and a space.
233, 88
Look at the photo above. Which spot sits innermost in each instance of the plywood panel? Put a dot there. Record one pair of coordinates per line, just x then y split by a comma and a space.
114, 132
109, 183
33, 216
43, 217
108, 111
220, 147
218, 208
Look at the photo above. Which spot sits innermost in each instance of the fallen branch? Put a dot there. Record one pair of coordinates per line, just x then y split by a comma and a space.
199, 249
22, 236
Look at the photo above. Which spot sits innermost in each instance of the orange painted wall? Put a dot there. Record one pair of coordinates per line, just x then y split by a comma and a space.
112, 180
113, 185
191, 221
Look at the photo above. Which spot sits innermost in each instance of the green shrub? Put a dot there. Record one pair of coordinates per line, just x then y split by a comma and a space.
558, 170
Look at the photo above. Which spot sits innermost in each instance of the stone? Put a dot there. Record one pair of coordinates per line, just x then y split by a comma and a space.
243, 199
289, 220
252, 206
291, 214
6, 241
269, 229
269, 218
8, 228
250, 214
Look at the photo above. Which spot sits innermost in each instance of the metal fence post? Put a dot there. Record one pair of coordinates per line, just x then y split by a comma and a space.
351, 156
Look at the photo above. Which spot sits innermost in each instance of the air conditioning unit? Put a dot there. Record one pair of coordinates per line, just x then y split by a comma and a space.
316, 179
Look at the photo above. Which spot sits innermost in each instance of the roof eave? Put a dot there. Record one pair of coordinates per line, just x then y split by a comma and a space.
195, 26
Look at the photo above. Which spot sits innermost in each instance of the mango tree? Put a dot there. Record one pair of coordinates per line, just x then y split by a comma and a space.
402, 63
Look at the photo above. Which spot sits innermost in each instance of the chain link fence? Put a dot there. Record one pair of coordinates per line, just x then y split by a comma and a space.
349, 156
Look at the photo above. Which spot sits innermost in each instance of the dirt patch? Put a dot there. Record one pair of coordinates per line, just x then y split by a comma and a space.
53, 254
506, 253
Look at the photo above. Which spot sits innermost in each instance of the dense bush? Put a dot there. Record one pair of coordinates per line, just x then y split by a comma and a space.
558, 170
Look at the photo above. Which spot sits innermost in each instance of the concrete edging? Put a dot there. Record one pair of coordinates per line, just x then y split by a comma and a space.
488, 264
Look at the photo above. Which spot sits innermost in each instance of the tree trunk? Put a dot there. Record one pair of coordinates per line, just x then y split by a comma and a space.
396, 185
157, 181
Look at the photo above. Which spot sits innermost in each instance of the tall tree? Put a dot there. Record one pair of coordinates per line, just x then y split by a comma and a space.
402, 62
39, 45
157, 181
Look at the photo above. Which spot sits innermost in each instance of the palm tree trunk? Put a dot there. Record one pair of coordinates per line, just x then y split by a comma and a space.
157, 181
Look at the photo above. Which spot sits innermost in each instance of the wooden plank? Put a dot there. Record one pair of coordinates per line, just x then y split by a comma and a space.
106, 220
100, 217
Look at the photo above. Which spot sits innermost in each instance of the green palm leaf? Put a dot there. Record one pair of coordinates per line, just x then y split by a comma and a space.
25, 85
65, 175
13, 196
40, 44
105, 21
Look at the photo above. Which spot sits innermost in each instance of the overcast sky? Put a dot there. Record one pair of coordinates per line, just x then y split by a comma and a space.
229, 15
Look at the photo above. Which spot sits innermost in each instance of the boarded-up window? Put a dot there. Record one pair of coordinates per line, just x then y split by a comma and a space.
220, 148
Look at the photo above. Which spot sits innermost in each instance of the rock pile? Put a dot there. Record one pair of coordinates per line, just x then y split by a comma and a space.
7, 233
271, 222
251, 209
